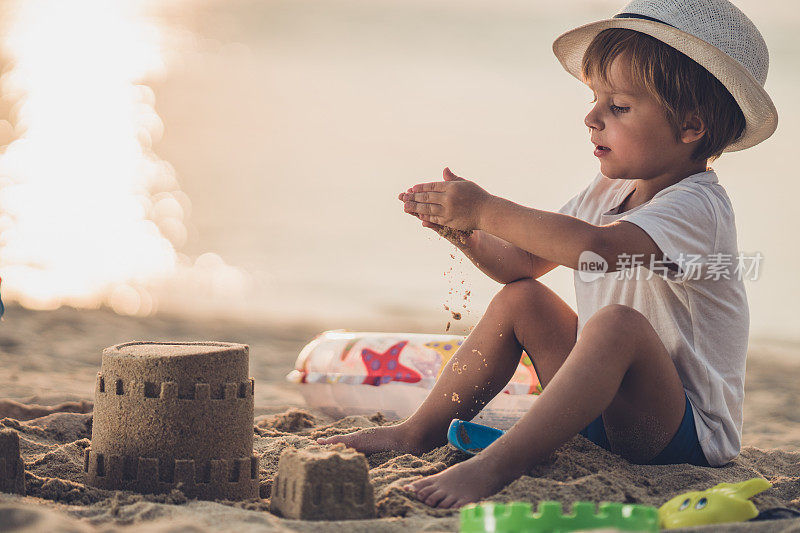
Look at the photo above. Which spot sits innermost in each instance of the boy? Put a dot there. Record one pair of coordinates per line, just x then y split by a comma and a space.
652, 366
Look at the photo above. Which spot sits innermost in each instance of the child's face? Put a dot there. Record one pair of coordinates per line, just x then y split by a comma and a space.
630, 122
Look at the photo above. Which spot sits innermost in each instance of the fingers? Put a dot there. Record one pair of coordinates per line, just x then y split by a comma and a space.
433, 219
435, 186
424, 197
423, 209
423, 203
429, 220
448, 175
431, 225
426, 224
400, 196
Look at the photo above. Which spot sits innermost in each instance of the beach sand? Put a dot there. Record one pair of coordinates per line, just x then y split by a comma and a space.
50, 358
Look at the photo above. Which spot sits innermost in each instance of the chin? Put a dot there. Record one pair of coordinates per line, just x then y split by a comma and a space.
614, 175
608, 172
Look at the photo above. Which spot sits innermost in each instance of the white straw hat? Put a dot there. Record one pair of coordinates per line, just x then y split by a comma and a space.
714, 33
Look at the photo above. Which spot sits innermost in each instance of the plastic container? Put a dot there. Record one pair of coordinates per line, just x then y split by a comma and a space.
470, 437
345, 373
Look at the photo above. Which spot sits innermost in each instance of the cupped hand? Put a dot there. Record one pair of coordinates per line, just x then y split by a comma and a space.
455, 202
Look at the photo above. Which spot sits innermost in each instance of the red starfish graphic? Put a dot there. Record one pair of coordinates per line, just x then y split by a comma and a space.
385, 367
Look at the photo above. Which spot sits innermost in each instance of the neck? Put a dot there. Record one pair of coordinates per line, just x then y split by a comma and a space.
646, 188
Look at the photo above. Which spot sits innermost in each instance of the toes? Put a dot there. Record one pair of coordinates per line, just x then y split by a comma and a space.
412, 486
335, 439
434, 499
419, 484
448, 502
423, 493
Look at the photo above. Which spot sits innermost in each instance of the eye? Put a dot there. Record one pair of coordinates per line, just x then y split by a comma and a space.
685, 504
702, 502
617, 109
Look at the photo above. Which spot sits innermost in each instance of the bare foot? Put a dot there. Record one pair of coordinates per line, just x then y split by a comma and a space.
458, 485
399, 438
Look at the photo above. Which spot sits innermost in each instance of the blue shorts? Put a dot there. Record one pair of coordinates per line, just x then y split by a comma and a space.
683, 448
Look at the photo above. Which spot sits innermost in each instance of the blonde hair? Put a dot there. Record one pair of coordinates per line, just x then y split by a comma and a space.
678, 83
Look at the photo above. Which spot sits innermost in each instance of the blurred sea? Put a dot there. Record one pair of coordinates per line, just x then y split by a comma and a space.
292, 126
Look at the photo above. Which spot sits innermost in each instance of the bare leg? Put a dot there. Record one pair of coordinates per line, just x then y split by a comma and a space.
482, 366
618, 367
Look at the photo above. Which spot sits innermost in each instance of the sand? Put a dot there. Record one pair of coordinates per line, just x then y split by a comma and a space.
174, 415
51, 359
456, 236
322, 483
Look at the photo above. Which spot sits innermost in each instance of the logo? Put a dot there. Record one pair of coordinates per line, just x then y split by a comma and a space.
591, 266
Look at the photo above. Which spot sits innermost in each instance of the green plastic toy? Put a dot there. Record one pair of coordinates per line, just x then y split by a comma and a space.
517, 517
726, 502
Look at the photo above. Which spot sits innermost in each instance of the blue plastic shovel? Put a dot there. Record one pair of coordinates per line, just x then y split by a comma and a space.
470, 437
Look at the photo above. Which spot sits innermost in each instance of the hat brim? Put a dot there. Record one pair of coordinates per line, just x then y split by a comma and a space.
758, 109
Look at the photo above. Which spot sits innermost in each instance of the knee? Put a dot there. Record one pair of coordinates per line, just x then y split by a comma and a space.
519, 295
621, 319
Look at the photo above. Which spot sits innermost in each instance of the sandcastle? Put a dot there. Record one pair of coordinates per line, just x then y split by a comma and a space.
317, 483
174, 415
12, 469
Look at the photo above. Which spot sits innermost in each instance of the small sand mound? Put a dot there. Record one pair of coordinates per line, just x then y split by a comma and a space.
291, 421
65, 427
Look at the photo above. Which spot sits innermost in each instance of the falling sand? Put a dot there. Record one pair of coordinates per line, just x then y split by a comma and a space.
457, 294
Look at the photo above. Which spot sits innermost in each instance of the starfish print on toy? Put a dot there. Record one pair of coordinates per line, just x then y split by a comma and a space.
385, 367
445, 350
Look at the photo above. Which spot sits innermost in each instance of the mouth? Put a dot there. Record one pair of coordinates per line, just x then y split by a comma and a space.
600, 150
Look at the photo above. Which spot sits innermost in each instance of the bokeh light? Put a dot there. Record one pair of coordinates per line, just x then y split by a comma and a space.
89, 213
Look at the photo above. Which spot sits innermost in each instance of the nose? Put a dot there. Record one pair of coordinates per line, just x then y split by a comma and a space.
592, 120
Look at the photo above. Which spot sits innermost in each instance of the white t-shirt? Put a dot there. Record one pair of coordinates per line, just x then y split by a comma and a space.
702, 318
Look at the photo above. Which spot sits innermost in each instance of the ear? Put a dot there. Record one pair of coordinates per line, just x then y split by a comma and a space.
693, 128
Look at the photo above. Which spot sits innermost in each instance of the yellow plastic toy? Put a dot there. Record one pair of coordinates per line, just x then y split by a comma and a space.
726, 502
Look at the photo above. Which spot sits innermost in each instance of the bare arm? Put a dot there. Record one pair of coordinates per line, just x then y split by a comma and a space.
551, 238
560, 238
501, 260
